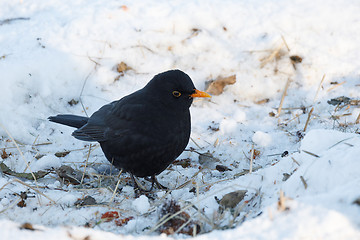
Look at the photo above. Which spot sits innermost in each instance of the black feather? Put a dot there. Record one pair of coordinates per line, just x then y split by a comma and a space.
69, 120
144, 132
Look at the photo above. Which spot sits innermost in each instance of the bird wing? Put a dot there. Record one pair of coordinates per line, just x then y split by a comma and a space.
112, 121
95, 129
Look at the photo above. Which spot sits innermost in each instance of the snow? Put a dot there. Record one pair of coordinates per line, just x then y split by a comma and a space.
58, 52
262, 139
46, 162
141, 204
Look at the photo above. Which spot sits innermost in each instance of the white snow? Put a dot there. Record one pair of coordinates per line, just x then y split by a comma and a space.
46, 162
55, 52
262, 139
141, 204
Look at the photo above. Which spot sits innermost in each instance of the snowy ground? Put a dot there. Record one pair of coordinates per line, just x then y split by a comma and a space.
61, 56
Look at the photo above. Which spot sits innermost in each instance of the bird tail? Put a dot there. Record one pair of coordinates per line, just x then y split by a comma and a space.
69, 120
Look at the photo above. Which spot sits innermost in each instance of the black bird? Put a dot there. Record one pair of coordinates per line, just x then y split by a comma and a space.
144, 132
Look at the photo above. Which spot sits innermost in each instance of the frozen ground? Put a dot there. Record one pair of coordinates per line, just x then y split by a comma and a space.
61, 56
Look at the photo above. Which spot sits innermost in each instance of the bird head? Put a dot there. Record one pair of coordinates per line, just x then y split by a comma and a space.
175, 88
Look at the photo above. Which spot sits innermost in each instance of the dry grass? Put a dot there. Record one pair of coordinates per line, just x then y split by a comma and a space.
283, 96
220, 220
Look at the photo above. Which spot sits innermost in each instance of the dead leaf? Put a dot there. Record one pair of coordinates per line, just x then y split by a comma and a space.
208, 160
69, 175
286, 176
62, 154
295, 59
214, 127
272, 114
27, 226
124, 8
339, 100
262, 101
256, 153
232, 199
216, 87
109, 216
73, 102
183, 162
22, 202
122, 67
86, 201
5, 169
122, 222
357, 201
175, 224
222, 168
4, 155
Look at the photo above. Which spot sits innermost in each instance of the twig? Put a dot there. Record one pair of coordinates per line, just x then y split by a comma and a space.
357, 119
251, 159
22, 155
287, 46
9, 20
295, 161
217, 139
27, 185
96, 63
11, 206
245, 171
189, 181
308, 118
182, 226
238, 209
294, 108
281, 202
204, 217
86, 162
272, 56
335, 86
35, 189
283, 96
304, 182
317, 92
340, 142
310, 153
195, 143
85, 81
23, 145
143, 46
116, 187
194, 230
292, 119
167, 217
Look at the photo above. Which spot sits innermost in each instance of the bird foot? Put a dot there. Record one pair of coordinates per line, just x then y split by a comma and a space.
141, 190
154, 181
160, 186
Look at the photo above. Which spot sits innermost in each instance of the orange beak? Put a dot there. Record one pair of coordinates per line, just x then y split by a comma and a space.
198, 93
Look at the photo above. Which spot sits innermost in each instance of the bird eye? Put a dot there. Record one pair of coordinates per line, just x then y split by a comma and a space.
176, 93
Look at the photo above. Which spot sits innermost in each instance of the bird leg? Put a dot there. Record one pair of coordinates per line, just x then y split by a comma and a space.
137, 184
140, 189
154, 180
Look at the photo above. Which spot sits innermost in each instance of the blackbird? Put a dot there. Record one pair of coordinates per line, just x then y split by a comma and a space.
144, 132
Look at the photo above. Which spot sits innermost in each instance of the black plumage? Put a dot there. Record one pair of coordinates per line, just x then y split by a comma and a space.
144, 132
